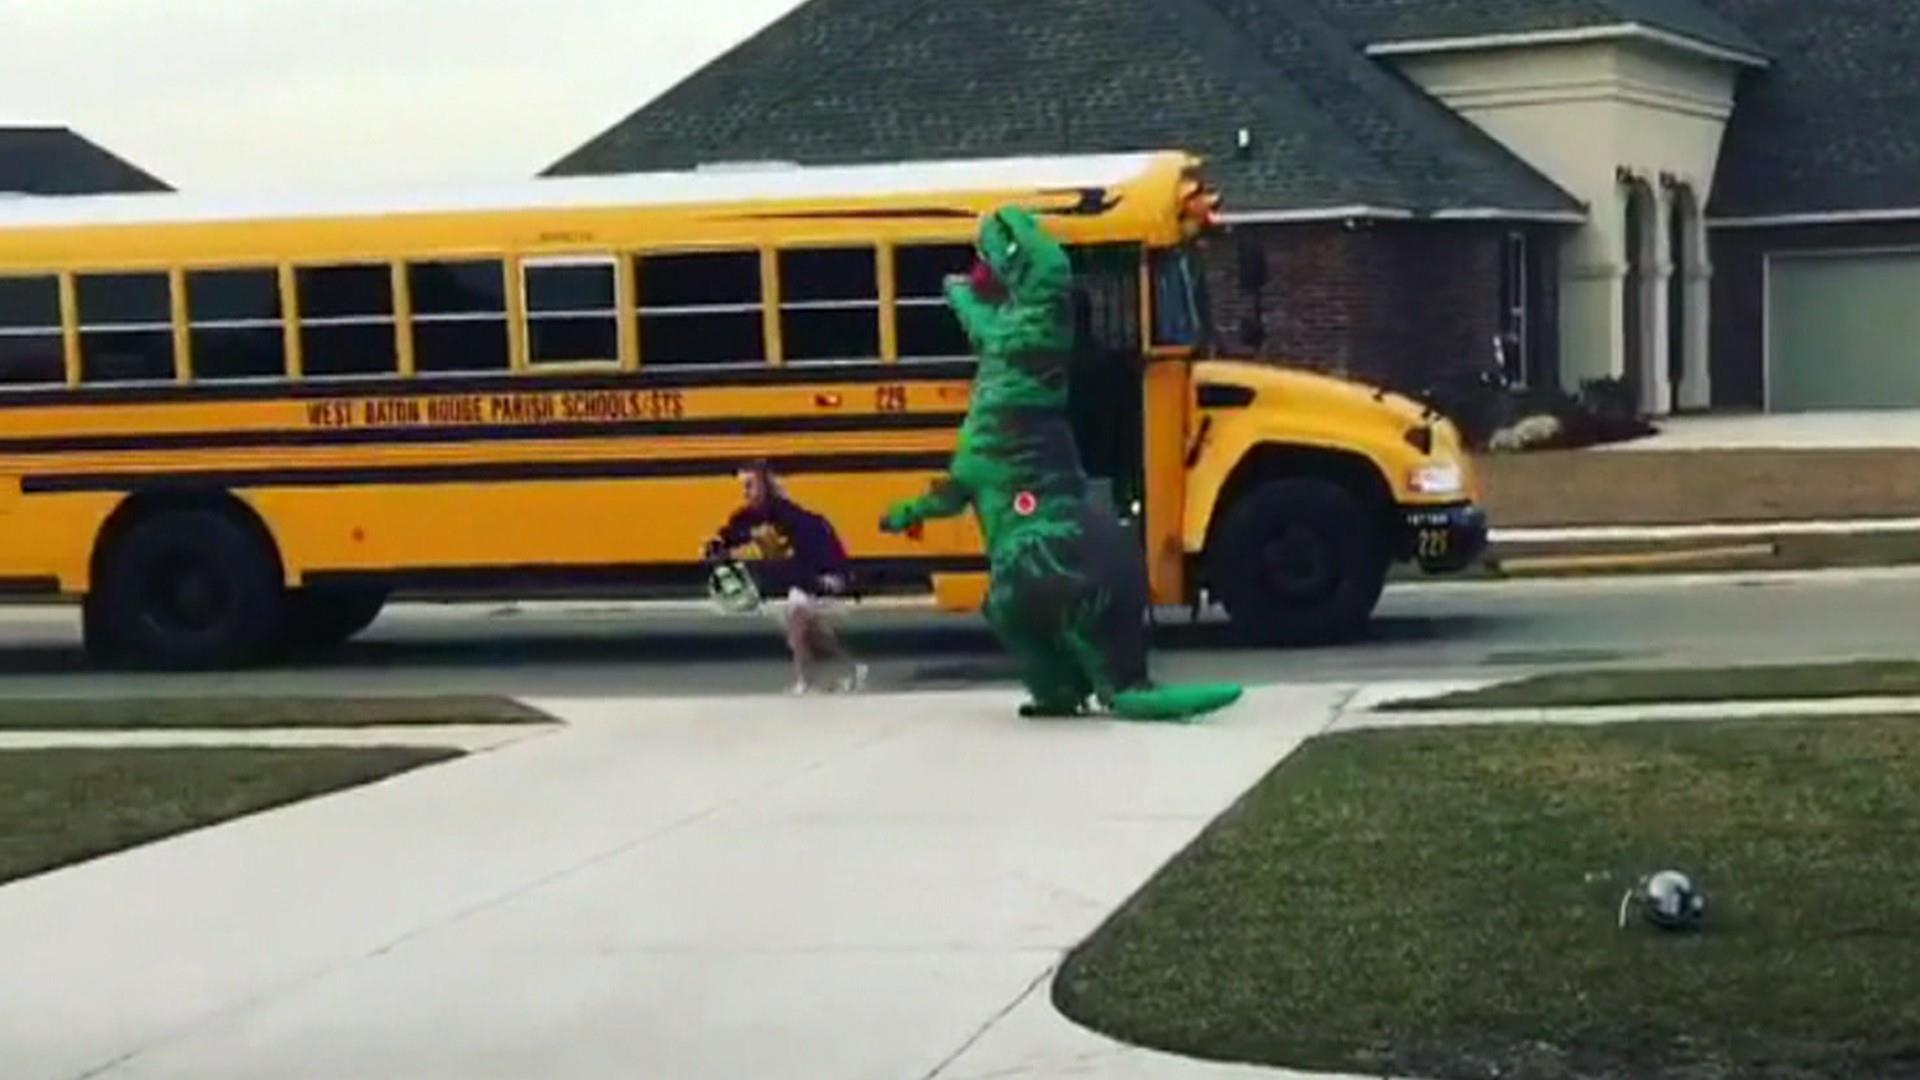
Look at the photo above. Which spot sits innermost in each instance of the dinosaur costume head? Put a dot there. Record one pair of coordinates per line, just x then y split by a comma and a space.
1018, 314
1030, 265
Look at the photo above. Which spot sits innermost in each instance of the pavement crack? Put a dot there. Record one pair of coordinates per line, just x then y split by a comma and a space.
992, 1022
1341, 703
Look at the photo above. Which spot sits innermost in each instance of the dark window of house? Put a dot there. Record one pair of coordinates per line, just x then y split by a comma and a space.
235, 322
459, 316
573, 311
926, 327
1514, 345
32, 346
126, 327
346, 320
700, 308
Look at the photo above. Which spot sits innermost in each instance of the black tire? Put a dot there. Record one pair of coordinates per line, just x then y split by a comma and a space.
188, 589
323, 617
1298, 562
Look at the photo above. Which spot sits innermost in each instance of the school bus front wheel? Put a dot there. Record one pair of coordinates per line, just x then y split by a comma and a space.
1298, 560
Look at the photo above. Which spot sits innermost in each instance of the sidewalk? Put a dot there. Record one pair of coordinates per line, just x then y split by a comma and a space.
836, 888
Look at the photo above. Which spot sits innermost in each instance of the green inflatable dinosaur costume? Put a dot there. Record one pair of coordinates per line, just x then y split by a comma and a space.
1069, 591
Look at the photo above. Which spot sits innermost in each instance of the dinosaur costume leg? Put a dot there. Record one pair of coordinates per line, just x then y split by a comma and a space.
1051, 673
1108, 635
1107, 630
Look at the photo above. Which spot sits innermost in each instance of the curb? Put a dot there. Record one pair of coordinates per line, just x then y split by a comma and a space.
1725, 530
1714, 547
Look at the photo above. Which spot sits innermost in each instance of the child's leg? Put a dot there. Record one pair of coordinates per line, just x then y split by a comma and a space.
799, 620
829, 644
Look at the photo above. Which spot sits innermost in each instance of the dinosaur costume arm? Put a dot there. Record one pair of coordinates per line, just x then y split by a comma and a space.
946, 498
985, 324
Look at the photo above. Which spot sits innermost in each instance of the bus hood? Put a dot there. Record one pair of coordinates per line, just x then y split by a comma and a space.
1301, 388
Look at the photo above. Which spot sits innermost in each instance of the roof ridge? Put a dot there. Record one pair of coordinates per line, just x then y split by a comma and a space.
1223, 33
1390, 94
1318, 101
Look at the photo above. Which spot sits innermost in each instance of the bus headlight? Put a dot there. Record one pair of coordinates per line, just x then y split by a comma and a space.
1443, 478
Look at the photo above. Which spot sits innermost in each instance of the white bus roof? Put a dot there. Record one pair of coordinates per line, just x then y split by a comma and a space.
712, 184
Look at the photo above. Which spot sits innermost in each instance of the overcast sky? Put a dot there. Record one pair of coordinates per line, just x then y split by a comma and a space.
225, 94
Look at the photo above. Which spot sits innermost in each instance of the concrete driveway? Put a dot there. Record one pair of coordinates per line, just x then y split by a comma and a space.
837, 888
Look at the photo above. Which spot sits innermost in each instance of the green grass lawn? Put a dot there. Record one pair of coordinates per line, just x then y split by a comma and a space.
72, 714
61, 806
1872, 678
1443, 903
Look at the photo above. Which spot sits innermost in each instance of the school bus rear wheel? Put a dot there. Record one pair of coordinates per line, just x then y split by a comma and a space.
188, 589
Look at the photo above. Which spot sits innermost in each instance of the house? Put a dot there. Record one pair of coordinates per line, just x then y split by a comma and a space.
57, 161
1716, 202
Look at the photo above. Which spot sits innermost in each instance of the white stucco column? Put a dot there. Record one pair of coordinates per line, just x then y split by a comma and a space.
1656, 240
1593, 296
1696, 379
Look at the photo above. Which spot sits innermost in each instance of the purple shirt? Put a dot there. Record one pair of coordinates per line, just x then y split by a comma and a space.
797, 546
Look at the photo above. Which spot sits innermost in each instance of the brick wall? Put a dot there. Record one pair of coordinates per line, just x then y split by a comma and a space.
1394, 303
1739, 295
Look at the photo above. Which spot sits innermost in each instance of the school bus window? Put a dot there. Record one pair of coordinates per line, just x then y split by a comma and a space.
573, 311
829, 304
700, 309
459, 316
928, 329
346, 320
32, 348
126, 327
1176, 316
235, 322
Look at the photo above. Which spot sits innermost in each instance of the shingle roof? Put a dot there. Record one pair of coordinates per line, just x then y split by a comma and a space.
57, 161
1830, 125
1382, 21
1833, 124
862, 80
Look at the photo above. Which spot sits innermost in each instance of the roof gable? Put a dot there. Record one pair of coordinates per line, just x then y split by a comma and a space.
1382, 21
863, 80
56, 161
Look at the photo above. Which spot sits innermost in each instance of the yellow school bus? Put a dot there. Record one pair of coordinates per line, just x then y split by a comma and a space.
229, 426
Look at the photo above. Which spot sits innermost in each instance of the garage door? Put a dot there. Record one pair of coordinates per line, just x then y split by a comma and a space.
1843, 331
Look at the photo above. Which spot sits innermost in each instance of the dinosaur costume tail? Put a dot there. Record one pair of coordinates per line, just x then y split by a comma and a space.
1175, 703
